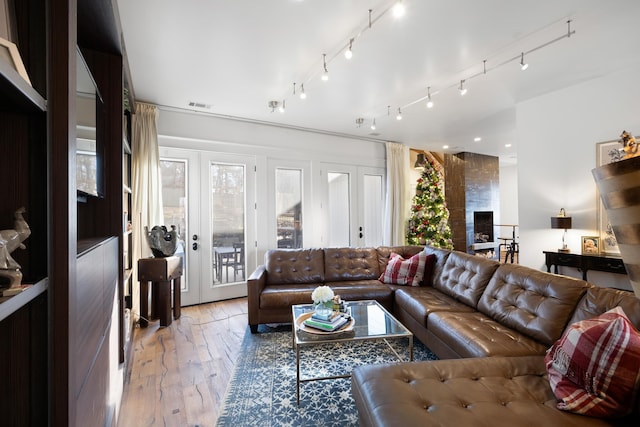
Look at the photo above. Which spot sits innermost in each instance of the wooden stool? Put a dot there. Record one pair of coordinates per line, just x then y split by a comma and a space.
163, 273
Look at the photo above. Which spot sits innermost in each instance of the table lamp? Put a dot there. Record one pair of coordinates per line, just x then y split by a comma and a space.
562, 221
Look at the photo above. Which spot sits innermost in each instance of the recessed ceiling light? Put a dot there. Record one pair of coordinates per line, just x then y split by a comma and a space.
477, 139
444, 147
507, 145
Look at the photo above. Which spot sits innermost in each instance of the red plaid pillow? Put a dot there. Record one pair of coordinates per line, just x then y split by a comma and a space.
402, 271
594, 368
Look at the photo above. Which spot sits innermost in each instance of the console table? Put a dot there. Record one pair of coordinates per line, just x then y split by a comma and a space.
584, 263
163, 273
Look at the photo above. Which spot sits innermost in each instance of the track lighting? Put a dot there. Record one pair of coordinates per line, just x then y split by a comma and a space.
325, 72
399, 116
359, 121
523, 65
348, 53
282, 107
462, 89
398, 9
273, 105
429, 101
373, 124
302, 94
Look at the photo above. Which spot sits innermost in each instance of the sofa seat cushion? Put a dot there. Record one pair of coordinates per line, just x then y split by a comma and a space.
363, 290
420, 302
282, 296
477, 335
496, 392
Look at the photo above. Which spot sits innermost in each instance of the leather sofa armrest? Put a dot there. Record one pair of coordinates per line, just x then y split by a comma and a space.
255, 285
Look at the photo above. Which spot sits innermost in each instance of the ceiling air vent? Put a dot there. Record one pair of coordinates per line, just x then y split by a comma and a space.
199, 105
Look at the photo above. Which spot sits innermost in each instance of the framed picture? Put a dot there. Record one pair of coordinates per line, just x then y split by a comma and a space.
607, 152
590, 245
9, 52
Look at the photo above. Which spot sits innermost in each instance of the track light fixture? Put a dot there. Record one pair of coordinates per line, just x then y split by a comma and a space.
429, 101
282, 106
325, 72
398, 9
359, 121
348, 53
523, 65
462, 89
273, 105
399, 116
373, 124
302, 94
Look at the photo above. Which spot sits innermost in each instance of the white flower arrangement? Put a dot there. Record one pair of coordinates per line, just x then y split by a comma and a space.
322, 294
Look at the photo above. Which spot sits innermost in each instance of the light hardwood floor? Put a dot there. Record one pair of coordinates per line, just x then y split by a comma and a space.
179, 374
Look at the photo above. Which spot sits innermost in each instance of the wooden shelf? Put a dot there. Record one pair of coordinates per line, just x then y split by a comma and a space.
9, 305
18, 92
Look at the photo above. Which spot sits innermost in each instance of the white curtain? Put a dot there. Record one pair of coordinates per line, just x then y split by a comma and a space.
146, 184
395, 212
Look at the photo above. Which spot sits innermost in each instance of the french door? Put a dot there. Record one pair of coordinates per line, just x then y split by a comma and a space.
354, 205
211, 197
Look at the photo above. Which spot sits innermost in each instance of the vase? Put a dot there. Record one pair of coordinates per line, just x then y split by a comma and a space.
323, 308
619, 187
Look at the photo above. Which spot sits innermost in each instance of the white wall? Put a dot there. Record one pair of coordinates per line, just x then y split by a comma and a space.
556, 139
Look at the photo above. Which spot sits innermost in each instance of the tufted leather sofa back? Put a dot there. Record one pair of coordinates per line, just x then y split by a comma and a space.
286, 266
599, 300
532, 302
464, 277
342, 264
441, 259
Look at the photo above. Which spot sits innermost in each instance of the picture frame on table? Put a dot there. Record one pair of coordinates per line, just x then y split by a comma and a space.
606, 152
590, 245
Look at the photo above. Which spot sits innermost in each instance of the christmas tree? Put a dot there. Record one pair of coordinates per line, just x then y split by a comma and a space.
429, 220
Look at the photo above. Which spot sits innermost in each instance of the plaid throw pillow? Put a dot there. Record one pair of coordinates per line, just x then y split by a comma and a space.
402, 271
594, 368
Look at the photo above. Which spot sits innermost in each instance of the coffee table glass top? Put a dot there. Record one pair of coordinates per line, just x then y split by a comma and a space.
371, 321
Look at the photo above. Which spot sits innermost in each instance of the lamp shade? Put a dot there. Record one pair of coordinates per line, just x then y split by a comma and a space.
421, 162
563, 222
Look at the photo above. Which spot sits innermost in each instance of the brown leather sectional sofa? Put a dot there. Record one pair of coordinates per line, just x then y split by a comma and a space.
472, 309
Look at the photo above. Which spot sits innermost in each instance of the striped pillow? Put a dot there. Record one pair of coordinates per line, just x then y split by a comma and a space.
402, 271
594, 368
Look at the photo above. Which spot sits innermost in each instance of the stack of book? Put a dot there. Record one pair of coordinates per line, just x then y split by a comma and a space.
329, 323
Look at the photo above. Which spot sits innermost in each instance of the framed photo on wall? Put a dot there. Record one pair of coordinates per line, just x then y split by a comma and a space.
590, 245
606, 152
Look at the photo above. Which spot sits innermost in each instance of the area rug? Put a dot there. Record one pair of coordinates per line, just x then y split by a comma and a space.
262, 391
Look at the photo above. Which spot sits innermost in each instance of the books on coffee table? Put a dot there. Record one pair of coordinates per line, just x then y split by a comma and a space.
333, 323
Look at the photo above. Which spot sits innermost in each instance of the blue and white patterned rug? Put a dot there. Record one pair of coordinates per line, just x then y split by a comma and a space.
262, 391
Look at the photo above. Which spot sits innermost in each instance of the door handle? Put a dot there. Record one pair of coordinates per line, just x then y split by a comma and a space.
195, 237
361, 235
194, 246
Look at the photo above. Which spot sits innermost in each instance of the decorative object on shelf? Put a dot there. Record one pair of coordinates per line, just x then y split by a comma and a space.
322, 297
9, 52
10, 240
619, 185
629, 145
590, 245
562, 221
163, 243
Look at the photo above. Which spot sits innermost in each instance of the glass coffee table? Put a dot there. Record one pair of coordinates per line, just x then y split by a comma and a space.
370, 322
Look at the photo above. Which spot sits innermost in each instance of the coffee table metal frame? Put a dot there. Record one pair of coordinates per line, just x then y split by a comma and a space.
363, 329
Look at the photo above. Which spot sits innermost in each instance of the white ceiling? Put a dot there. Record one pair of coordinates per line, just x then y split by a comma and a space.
238, 55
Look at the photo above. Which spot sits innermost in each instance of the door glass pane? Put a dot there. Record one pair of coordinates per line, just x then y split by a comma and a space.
372, 210
289, 208
227, 222
174, 199
339, 212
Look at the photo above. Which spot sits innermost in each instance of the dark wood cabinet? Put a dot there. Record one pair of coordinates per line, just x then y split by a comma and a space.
584, 263
54, 337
